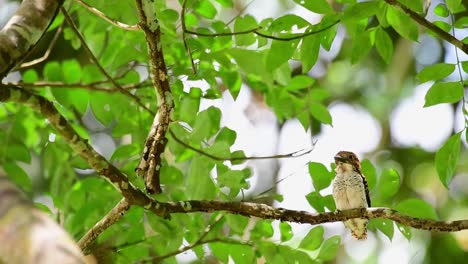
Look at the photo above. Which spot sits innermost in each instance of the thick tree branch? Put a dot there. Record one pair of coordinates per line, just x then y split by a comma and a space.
151, 160
24, 30
425, 23
28, 235
108, 220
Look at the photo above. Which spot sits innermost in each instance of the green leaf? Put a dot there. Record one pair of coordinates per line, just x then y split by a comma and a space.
461, 22
300, 82
384, 44
226, 135
446, 159
405, 231
206, 9
361, 10
310, 48
225, 3
435, 72
18, 175
262, 229
417, 208
443, 25
446, 92
441, 10
18, 151
71, 71
316, 6
385, 226
200, 185
389, 183
206, 124
233, 81
280, 52
286, 231
320, 112
369, 172
402, 23
313, 239
329, 248
321, 177
361, 47
454, 6
415, 5
245, 23
319, 202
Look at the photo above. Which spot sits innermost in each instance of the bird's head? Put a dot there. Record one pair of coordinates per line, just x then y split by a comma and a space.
346, 160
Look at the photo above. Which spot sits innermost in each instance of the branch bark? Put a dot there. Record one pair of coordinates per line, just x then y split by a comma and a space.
24, 30
151, 161
28, 235
108, 220
425, 23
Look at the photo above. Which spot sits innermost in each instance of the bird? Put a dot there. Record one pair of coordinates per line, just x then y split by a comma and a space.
350, 190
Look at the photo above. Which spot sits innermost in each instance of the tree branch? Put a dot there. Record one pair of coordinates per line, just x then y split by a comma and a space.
25, 28
151, 161
108, 220
425, 23
294, 154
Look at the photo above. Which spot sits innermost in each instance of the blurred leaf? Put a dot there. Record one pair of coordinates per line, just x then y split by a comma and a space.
405, 231
385, 226
17, 151
417, 208
319, 202
320, 112
206, 9
402, 23
316, 6
389, 183
454, 6
286, 231
369, 172
443, 25
435, 72
329, 248
200, 185
225, 3
321, 177
444, 92
361, 10
384, 44
313, 239
310, 48
262, 229
226, 135
441, 10
446, 159
17, 175
461, 22
71, 71
300, 82
280, 52
245, 23
415, 5
360, 47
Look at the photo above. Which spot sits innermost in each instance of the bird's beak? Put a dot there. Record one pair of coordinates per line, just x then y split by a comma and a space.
338, 158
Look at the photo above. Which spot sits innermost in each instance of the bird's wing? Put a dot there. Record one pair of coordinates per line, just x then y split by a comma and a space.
366, 188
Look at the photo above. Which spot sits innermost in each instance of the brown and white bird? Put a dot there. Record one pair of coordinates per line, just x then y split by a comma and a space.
350, 191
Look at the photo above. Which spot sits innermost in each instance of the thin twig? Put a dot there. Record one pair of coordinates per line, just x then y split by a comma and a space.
108, 220
106, 18
47, 53
184, 39
425, 23
96, 61
95, 86
294, 154
257, 32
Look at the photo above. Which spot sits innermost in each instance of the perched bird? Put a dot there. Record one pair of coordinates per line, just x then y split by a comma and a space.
350, 191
